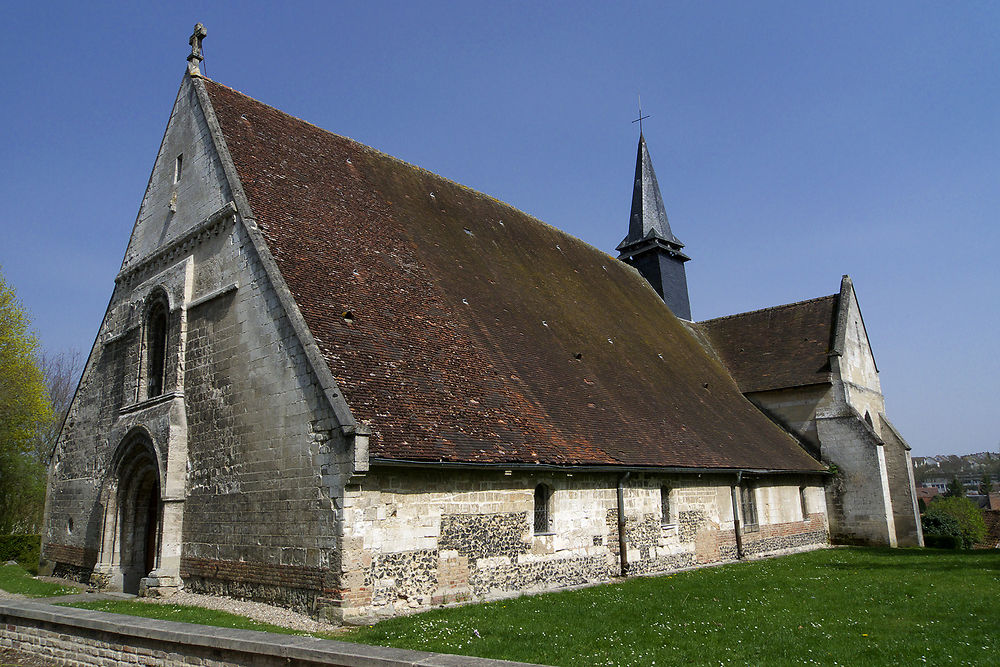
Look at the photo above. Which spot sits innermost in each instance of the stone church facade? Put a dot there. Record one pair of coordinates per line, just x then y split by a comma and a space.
333, 381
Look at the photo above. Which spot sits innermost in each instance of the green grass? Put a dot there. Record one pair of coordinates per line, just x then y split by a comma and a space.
188, 614
15, 579
839, 606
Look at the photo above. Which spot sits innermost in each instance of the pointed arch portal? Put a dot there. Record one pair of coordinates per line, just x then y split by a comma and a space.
133, 515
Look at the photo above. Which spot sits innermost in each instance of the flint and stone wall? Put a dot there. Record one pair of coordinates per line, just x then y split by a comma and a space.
416, 538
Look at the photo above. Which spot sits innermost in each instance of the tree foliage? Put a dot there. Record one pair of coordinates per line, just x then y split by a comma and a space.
25, 410
958, 517
24, 401
986, 486
955, 489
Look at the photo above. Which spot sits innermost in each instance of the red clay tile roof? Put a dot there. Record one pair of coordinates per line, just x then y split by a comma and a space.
477, 333
779, 347
992, 520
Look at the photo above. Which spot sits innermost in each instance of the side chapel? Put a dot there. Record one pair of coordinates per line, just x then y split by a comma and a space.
331, 380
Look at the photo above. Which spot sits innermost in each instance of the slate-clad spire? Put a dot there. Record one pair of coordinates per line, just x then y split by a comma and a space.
651, 246
648, 217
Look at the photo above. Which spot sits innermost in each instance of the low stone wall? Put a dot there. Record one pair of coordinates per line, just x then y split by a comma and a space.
81, 637
415, 539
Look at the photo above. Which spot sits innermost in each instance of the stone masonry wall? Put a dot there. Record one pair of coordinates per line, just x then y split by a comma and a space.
261, 444
901, 491
84, 638
420, 537
243, 434
856, 495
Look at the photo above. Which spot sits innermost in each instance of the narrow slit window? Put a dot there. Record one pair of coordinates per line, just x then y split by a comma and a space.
178, 167
802, 501
748, 508
542, 519
665, 506
156, 349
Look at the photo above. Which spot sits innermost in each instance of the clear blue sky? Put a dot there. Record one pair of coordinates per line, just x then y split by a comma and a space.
794, 142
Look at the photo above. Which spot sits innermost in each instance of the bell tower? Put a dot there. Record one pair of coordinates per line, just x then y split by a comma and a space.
650, 245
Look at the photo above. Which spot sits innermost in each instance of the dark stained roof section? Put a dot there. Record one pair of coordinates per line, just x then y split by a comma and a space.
775, 348
477, 333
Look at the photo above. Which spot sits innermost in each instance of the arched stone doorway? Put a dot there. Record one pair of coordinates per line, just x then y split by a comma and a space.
139, 515
133, 516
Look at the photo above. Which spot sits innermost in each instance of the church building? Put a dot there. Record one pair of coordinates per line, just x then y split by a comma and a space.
331, 380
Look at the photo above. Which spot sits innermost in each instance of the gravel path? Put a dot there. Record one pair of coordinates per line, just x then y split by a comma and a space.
258, 611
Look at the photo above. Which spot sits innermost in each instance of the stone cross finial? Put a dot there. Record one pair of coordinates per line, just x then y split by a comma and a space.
195, 58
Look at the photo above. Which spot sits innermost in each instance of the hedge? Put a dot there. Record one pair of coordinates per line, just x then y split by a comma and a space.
25, 549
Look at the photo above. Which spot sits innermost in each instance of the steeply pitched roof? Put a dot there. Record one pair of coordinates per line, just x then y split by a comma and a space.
774, 348
476, 333
648, 217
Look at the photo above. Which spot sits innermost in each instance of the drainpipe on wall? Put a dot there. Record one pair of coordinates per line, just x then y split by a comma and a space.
735, 491
622, 550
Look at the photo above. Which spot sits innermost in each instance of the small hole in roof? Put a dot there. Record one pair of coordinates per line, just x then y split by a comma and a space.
544, 323
501, 223
432, 196
348, 316
611, 341
705, 385
468, 231
465, 301
578, 356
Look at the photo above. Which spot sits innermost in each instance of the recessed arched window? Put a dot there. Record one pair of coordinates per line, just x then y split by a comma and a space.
543, 495
156, 348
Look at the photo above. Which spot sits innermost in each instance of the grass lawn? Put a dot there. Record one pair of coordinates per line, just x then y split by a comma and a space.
837, 606
188, 614
15, 579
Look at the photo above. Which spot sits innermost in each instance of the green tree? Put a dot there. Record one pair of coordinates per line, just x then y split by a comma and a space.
955, 489
943, 514
986, 486
24, 410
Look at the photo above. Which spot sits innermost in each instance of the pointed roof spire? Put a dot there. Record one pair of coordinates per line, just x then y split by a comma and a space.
648, 218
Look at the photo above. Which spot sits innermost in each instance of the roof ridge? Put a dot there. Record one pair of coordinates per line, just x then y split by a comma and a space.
761, 310
418, 168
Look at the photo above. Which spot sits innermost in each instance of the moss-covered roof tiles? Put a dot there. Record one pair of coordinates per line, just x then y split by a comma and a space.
477, 333
776, 348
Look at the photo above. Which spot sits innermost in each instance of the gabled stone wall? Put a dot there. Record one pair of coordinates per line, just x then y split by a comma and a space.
249, 459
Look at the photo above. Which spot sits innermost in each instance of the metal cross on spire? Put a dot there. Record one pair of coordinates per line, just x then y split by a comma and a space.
195, 58
641, 117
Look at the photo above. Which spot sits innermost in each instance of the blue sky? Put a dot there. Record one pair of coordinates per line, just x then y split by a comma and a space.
794, 142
